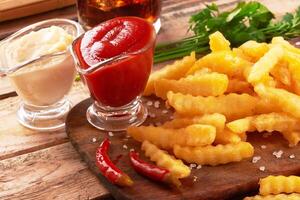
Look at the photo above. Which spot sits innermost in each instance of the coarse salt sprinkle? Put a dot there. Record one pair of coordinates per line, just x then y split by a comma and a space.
156, 104
110, 134
278, 154
292, 156
255, 159
149, 103
263, 146
262, 168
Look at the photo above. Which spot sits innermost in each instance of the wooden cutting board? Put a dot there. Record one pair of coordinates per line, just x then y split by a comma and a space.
230, 181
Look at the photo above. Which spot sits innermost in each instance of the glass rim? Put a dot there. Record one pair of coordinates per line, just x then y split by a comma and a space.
111, 60
32, 27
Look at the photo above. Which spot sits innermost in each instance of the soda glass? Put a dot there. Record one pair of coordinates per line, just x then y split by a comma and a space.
93, 12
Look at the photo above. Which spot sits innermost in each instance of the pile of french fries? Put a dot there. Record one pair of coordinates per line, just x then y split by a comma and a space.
224, 96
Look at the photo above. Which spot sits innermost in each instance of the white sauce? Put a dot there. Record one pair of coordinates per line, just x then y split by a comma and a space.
47, 80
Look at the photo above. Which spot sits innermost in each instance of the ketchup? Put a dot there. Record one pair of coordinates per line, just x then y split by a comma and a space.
121, 81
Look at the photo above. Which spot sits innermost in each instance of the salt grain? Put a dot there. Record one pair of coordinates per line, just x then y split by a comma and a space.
164, 111
193, 165
94, 140
125, 146
149, 103
110, 134
255, 159
262, 168
278, 154
292, 156
156, 104
199, 167
263, 146
152, 115
195, 178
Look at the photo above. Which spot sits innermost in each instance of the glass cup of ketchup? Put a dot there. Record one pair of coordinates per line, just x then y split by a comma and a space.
114, 60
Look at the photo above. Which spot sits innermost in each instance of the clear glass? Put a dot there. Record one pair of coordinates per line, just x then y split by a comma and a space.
43, 81
93, 12
117, 116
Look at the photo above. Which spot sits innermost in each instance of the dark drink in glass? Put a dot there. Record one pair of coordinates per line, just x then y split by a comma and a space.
93, 12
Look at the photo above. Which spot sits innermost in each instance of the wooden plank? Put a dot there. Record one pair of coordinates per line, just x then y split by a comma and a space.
51, 173
8, 27
11, 9
16, 139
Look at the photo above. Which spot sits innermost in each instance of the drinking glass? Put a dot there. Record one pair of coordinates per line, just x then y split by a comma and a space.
93, 12
41, 82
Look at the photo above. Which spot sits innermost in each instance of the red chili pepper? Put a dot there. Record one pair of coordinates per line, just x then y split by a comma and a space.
108, 168
149, 170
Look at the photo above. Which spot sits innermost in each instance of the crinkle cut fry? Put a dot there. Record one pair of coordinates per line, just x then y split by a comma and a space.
164, 160
193, 135
279, 184
293, 196
233, 106
172, 71
214, 155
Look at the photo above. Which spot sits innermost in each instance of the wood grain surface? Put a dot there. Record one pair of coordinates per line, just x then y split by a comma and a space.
17, 142
212, 183
11, 9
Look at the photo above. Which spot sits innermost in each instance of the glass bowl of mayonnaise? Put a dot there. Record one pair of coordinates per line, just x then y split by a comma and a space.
38, 63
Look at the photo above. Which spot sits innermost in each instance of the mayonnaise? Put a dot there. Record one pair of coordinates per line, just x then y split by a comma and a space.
47, 80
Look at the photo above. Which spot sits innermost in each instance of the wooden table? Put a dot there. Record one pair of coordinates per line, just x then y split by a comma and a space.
39, 165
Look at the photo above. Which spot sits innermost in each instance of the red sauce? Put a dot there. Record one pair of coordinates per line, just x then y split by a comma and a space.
118, 83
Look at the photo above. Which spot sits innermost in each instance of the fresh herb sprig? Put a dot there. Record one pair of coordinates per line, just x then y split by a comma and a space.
247, 21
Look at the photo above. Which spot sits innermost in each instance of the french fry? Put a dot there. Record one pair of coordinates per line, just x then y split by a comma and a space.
270, 122
213, 84
217, 120
281, 122
225, 62
292, 137
162, 159
264, 106
174, 71
239, 86
254, 50
285, 44
214, 155
287, 101
217, 42
294, 69
241, 125
226, 137
264, 65
293, 196
241, 54
202, 71
279, 184
282, 74
193, 135
233, 106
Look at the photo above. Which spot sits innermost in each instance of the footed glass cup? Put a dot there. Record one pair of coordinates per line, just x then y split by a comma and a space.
43, 81
116, 85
